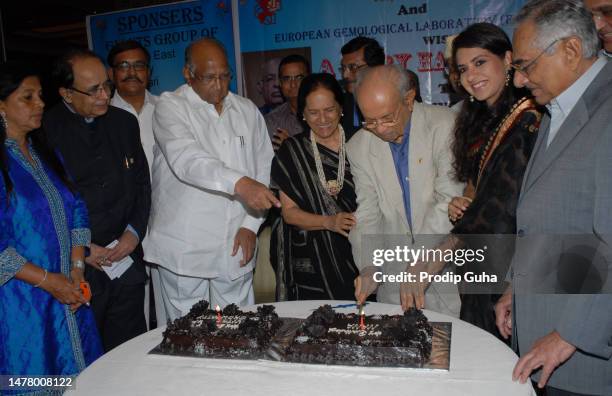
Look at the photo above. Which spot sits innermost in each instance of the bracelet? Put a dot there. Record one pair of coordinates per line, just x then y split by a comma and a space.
80, 264
43, 279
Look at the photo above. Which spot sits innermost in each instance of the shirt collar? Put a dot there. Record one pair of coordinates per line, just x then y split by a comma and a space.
195, 99
87, 120
566, 101
149, 100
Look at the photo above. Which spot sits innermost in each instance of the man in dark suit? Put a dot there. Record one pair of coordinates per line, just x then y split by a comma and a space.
357, 54
101, 149
559, 309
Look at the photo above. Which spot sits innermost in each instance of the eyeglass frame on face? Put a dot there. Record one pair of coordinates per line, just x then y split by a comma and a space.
288, 79
106, 87
352, 67
208, 79
126, 66
599, 14
372, 125
524, 70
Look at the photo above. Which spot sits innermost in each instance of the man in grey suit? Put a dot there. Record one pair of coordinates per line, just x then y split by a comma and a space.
559, 309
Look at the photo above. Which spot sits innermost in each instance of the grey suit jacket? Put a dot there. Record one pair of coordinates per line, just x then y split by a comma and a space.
564, 223
380, 199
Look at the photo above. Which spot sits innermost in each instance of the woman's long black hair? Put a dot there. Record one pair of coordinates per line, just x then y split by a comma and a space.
476, 120
11, 77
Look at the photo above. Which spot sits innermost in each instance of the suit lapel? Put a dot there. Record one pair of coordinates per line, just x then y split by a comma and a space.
387, 175
572, 125
415, 162
536, 153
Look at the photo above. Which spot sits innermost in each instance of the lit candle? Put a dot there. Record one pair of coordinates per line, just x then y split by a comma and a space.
362, 318
218, 309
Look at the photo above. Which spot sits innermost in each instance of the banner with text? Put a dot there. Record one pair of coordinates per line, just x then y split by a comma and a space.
165, 31
412, 32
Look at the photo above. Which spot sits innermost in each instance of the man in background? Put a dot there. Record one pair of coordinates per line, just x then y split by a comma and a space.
282, 122
602, 15
357, 54
130, 70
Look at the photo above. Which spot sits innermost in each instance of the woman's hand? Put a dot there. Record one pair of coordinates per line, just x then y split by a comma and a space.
457, 206
340, 223
64, 290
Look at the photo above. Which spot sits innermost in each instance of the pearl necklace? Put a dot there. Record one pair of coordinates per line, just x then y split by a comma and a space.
333, 187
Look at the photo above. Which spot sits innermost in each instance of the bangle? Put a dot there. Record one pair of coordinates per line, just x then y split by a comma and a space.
43, 279
80, 264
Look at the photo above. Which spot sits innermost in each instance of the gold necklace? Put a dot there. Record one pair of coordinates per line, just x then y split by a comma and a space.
333, 187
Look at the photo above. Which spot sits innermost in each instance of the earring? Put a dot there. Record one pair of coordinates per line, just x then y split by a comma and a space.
3, 120
507, 77
471, 98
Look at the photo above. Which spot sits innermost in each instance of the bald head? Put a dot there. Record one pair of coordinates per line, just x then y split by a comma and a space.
386, 98
205, 47
207, 71
387, 76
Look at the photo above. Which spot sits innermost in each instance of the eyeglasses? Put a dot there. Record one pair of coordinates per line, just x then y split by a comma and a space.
352, 67
209, 78
602, 13
288, 79
105, 87
524, 69
137, 66
386, 123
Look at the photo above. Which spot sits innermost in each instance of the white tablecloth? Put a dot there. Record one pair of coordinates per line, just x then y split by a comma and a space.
479, 365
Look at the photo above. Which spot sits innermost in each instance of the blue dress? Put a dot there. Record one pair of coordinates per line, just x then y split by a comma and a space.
40, 223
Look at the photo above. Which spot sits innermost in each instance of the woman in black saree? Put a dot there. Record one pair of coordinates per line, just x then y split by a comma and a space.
309, 242
494, 135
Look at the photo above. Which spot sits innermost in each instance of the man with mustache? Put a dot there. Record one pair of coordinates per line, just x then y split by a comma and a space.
130, 71
602, 15
357, 54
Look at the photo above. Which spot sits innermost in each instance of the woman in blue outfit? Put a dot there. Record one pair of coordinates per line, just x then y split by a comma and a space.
45, 326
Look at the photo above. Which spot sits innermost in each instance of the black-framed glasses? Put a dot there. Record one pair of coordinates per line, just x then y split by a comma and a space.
137, 66
387, 123
210, 78
524, 69
352, 67
105, 87
288, 79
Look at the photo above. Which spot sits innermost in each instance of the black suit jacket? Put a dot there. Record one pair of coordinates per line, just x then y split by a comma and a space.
348, 109
108, 165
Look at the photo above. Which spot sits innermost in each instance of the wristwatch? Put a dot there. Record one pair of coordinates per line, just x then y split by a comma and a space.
80, 264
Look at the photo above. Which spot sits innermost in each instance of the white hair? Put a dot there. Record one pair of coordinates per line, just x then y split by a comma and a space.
558, 19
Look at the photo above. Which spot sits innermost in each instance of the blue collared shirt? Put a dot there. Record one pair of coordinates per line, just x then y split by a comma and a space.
399, 151
563, 104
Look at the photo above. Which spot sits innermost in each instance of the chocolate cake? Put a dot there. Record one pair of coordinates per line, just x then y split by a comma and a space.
328, 337
242, 335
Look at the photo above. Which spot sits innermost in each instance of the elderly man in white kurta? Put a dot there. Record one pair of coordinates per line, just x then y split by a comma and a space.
210, 172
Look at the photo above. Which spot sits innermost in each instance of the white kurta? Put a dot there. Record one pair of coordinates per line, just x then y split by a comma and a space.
199, 157
145, 121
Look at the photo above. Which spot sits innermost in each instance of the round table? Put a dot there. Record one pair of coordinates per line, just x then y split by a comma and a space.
479, 365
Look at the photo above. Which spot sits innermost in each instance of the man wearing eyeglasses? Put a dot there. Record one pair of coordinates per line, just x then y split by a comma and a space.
101, 149
602, 15
282, 122
210, 178
402, 167
129, 69
558, 316
357, 54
